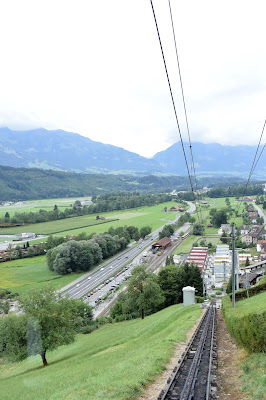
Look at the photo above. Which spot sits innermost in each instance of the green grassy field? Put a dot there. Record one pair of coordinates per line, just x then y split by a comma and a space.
58, 226
73, 226
113, 363
35, 205
187, 245
24, 274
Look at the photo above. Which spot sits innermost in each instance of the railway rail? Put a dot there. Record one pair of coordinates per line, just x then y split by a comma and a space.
194, 378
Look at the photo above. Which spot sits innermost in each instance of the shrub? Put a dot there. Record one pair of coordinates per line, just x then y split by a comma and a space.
199, 299
248, 328
245, 293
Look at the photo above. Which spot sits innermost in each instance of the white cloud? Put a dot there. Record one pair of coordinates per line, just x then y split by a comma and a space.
95, 68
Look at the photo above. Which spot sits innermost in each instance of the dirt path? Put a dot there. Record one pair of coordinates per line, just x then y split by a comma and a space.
229, 358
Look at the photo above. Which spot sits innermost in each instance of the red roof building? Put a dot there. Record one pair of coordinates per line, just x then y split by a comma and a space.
198, 256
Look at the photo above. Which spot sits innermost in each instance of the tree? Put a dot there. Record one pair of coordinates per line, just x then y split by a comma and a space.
247, 263
18, 252
7, 216
219, 218
198, 229
144, 231
172, 279
224, 238
144, 294
10, 251
48, 322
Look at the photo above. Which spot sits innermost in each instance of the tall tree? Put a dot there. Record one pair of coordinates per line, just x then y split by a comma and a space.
144, 294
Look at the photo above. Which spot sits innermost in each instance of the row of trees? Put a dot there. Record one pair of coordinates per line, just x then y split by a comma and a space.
82, 255
148, 293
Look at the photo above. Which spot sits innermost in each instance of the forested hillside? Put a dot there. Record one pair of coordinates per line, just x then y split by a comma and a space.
25, 183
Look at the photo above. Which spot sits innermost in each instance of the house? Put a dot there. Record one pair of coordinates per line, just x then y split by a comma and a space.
86, 202
261, 244
262, 234
248, 198
253, 215
225, 228
249, 238
255, 228
243, 229
250, 279
174, 208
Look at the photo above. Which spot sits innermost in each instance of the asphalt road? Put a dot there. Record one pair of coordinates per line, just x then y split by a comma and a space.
91, 281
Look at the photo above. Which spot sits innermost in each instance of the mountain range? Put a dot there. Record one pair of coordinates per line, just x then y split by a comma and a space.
67, 151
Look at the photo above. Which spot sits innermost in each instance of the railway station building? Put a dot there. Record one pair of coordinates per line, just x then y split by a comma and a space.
162, 244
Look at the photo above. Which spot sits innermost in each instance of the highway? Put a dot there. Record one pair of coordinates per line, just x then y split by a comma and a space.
261, 214
110, 270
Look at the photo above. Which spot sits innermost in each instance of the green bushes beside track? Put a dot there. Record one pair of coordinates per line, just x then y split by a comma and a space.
247, 321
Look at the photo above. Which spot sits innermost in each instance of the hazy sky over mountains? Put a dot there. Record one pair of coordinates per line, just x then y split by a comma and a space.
95, 68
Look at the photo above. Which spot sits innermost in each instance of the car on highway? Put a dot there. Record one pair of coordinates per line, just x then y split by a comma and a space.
77, 285
89, 277
102, 269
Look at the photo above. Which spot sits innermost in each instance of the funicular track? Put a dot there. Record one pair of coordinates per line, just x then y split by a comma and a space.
194, 378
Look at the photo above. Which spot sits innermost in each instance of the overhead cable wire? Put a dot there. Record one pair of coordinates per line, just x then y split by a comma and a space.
185, 108
254, 164
171, 93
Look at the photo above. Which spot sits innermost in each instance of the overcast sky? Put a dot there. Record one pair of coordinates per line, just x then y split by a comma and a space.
94, 67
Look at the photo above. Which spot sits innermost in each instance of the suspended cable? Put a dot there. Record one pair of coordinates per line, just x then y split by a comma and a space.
173, 102
185, 109
254, 164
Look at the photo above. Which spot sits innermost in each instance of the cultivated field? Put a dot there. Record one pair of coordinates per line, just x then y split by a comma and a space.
113, 363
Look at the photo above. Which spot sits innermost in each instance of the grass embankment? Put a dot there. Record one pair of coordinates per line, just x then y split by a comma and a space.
112, 363
247, 321
19, 276
247, 324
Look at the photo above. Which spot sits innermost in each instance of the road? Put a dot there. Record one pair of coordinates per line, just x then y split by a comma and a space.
261, 214
110, 270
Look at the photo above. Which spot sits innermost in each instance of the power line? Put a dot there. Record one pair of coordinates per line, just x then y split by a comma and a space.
171, 93
252, 169
184, 104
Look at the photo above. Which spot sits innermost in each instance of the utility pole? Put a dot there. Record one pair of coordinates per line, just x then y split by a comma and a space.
233, 267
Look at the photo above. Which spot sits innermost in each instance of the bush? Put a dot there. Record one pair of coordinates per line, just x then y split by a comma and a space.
199, 299
248, 329
245, 293
218, 292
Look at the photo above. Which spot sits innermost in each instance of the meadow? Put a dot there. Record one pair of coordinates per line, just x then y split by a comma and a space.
139, 217
113, 363
21, 275
35, 205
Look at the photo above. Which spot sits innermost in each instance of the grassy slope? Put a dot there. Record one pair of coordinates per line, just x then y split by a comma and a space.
22, 275
111, 364
254, 366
